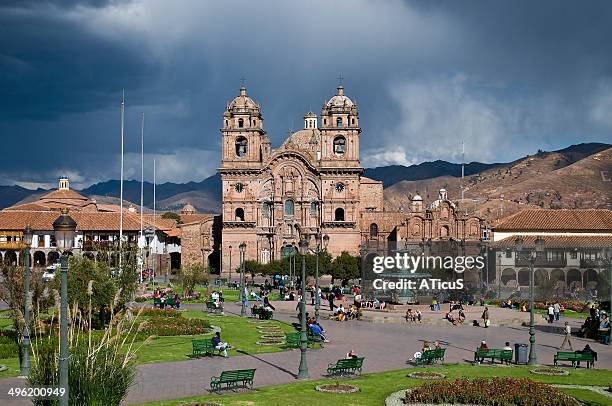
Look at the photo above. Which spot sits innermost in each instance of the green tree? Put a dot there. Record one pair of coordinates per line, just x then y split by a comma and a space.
345, 267
172, 216
192, 275
253, 268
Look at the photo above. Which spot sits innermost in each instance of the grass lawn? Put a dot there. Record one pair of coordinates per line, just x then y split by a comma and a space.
13, 367
588, 397
235, 330
229, 295
376, 387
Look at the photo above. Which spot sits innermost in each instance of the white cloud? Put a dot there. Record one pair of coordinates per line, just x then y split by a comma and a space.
178, 166
601, 106
381, 157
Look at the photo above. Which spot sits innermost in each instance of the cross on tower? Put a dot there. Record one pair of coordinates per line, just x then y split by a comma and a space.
340, 79
242, 80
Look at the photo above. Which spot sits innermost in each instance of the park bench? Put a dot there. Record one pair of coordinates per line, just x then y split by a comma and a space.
233, 379
575, 358
345, 366
493, 354
210, 307
292, 340
169, 302
262, 313
431, 356
203, 347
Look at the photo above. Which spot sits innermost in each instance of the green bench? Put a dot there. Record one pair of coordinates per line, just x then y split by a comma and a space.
505, 356
262, 313
210, 307
292, 340
169, 302
431, 356
575, 358
233, 379
203, 347
345, 366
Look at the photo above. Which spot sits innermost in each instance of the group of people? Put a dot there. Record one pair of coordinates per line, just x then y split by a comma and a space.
415, 317
427, 346
315, 328
596, 326
217, 298
162, 297
554, 311
342, 314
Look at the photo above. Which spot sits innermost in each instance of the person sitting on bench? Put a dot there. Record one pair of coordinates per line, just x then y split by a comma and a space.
351, 354
317, 331
219, 345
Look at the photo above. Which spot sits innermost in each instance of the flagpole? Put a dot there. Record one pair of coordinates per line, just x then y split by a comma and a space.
154, 225
121, 183
141, 193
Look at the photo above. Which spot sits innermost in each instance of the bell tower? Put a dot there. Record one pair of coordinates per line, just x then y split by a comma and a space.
245, 143
340, 131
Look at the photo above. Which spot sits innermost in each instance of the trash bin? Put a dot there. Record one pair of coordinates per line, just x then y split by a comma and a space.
520, 353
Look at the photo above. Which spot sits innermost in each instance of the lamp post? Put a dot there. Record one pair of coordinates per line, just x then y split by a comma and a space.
25, 340
149, 234
230, 265
242, 247
303, 369
531, 258
324, 241
64, 228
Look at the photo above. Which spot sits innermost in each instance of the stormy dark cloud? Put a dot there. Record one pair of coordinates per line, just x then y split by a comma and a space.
508, 77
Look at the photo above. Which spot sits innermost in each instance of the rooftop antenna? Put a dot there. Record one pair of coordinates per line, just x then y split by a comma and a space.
121, 183
142, 117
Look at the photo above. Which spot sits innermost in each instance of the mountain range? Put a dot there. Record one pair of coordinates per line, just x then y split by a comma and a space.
571, 177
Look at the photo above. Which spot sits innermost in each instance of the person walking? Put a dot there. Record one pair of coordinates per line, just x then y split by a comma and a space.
568, 336
557, 310
551, 313
485, 317
331, 298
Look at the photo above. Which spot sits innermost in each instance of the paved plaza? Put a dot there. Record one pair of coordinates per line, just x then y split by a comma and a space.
385, 345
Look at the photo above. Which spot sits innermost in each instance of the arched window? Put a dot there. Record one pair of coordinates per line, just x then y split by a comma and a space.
226, 123
373, 230
314, 208
352, 121
339, 214
339, 145
265, 209
339, 122
444, 231
289, 207
324, 121
241, 146
240, 123
239, 214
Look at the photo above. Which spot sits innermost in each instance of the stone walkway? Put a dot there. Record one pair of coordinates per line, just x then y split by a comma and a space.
386, 346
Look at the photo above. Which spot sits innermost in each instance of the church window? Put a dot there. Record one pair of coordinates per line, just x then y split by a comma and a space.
241, 146
239, 187
339, 187
265, 209
339, 214
226, 123
373, 230
314, 208
324, 121
289, 207
339, 122
240, 123
339, 145
444, 231
239, 214
265, 256
352, 121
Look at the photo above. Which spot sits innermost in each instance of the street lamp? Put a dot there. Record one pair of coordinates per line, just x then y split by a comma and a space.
242, 247
531, 258
324, 241
230, 265
149, 234
64, 228
25, 340
303, 370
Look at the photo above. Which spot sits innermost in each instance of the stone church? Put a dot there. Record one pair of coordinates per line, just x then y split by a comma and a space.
313, 183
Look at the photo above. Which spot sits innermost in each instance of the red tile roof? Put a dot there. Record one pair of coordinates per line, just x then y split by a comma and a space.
556, 241
558, 220
86, 221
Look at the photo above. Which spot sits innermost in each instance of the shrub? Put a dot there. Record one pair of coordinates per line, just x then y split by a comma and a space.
494, 392
9, 350
174, 326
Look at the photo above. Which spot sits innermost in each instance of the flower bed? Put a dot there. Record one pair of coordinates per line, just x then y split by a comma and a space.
426, 375
155, 312
337, 388
174, 326
270, 341
550, 371
272, 336
494, 392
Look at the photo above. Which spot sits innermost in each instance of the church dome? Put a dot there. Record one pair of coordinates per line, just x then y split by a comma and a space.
417, 197
188, 209
340, 99
243, 102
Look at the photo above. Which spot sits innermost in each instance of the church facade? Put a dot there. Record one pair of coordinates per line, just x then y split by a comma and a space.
313, 184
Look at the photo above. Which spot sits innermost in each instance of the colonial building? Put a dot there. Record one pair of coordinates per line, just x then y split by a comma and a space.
313, 184
576, 244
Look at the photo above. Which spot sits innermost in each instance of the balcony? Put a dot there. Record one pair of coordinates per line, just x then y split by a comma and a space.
11, 245
543, 262
590, 263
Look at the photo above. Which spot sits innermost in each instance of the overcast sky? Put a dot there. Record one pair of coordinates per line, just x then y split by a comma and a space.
509, 77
